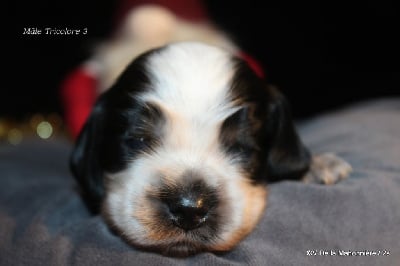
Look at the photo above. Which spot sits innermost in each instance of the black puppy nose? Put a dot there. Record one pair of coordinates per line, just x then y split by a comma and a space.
188, 212
189, 205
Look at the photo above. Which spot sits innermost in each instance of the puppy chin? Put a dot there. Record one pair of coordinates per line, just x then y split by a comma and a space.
138, 214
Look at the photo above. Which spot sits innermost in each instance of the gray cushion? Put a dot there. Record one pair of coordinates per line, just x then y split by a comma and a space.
43, 221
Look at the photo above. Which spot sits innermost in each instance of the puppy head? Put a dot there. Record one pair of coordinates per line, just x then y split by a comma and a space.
178, 152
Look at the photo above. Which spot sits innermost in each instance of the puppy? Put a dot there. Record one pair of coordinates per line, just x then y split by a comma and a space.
178, 152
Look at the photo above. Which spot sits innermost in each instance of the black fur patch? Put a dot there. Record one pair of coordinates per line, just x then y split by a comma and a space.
111, 135
261, 134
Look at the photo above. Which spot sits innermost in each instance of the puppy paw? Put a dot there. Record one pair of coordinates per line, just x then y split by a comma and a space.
327, 168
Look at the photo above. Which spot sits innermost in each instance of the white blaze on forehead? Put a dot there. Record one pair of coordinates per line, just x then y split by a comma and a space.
191, 79
190, 83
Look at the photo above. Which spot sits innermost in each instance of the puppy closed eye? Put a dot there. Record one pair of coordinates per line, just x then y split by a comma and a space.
139, 142
236, 135
145, 130
241, 149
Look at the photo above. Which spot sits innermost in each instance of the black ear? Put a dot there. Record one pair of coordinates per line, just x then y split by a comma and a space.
287, 157
84, 160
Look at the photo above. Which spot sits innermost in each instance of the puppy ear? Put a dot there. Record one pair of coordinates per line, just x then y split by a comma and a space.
84, 160
287, 157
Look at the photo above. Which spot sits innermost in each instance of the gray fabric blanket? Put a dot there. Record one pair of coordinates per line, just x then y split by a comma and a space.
43, 221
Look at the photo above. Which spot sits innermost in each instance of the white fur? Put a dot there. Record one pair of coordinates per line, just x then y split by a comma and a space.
192, 79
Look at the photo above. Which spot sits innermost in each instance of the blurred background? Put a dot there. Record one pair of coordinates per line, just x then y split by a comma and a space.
322, 54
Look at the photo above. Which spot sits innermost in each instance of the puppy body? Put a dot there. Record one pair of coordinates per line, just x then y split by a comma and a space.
178, 152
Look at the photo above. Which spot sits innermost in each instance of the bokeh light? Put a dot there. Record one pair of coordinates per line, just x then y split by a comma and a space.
44, 130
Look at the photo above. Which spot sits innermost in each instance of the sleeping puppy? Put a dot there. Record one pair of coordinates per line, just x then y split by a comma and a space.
178, 152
